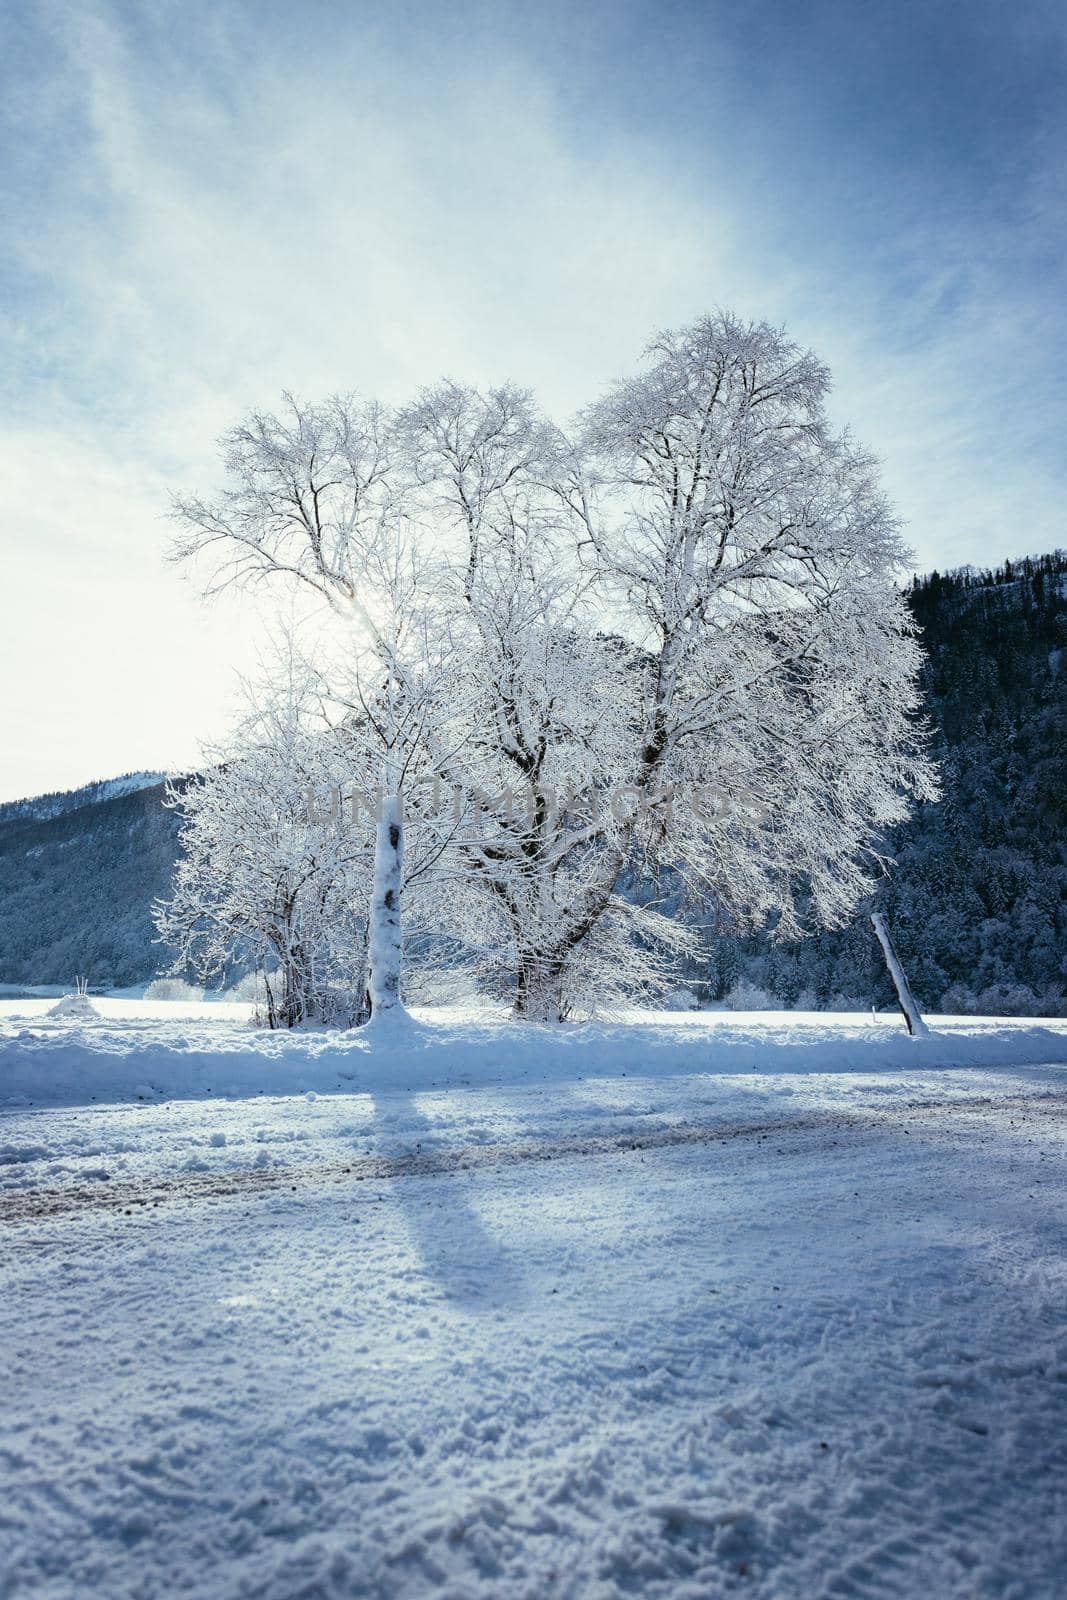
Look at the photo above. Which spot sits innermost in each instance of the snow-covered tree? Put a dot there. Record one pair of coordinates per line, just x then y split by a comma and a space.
278, 849
319, 495
692, 608
685, 617
549, 700
268, 879
750, 555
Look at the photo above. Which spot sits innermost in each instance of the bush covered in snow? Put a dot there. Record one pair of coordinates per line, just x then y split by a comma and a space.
680, 1000
251, 989
1001, 1000
845, 1002
746, 996
172, 989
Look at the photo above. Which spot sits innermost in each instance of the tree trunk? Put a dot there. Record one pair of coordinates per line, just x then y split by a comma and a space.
272, 1015
384, 924
295, 1001
539, 995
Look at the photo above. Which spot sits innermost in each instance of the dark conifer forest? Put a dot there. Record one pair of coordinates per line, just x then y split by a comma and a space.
977, 900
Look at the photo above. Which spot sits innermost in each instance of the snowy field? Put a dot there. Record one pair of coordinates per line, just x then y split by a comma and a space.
678, 1306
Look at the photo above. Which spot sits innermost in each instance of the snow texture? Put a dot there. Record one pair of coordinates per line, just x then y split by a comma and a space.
683, 1308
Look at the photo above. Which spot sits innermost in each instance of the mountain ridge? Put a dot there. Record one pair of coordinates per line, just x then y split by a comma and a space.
41, 807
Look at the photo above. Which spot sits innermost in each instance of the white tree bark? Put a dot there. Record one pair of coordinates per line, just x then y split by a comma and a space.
385, 933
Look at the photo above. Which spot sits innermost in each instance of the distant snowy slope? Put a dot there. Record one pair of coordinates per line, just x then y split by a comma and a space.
78, 874
40, 808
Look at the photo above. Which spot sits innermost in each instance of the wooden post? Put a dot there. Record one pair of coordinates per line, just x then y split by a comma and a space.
912, 1015
916, 1026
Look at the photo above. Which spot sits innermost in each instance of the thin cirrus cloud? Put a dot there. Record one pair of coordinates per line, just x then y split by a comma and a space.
208, 205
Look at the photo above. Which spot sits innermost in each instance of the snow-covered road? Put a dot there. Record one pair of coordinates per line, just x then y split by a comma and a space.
679, 1336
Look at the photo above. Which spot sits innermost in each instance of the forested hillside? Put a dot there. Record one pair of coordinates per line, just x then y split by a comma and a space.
977, 902
78, 874
978, 899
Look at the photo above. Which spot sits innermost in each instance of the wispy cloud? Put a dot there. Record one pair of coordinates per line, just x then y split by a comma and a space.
207, 205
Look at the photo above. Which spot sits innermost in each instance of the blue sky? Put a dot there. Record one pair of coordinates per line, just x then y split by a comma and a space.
204, 204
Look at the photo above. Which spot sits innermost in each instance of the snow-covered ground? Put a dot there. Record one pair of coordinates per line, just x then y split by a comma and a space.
679, 1306
151, 1049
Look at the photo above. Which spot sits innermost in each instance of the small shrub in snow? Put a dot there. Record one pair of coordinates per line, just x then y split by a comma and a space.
251, 989
959, 1001
172, 989
1008, 1000
846, 1002
745, 996
73, 1006
681, 1000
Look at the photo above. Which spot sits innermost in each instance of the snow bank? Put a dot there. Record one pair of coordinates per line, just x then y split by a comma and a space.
191, 1052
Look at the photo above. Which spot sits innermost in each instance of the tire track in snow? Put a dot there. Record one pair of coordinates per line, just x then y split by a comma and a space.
35, 1204
124, 1195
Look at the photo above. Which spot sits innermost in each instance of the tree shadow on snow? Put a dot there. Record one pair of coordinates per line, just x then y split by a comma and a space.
462, 1257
